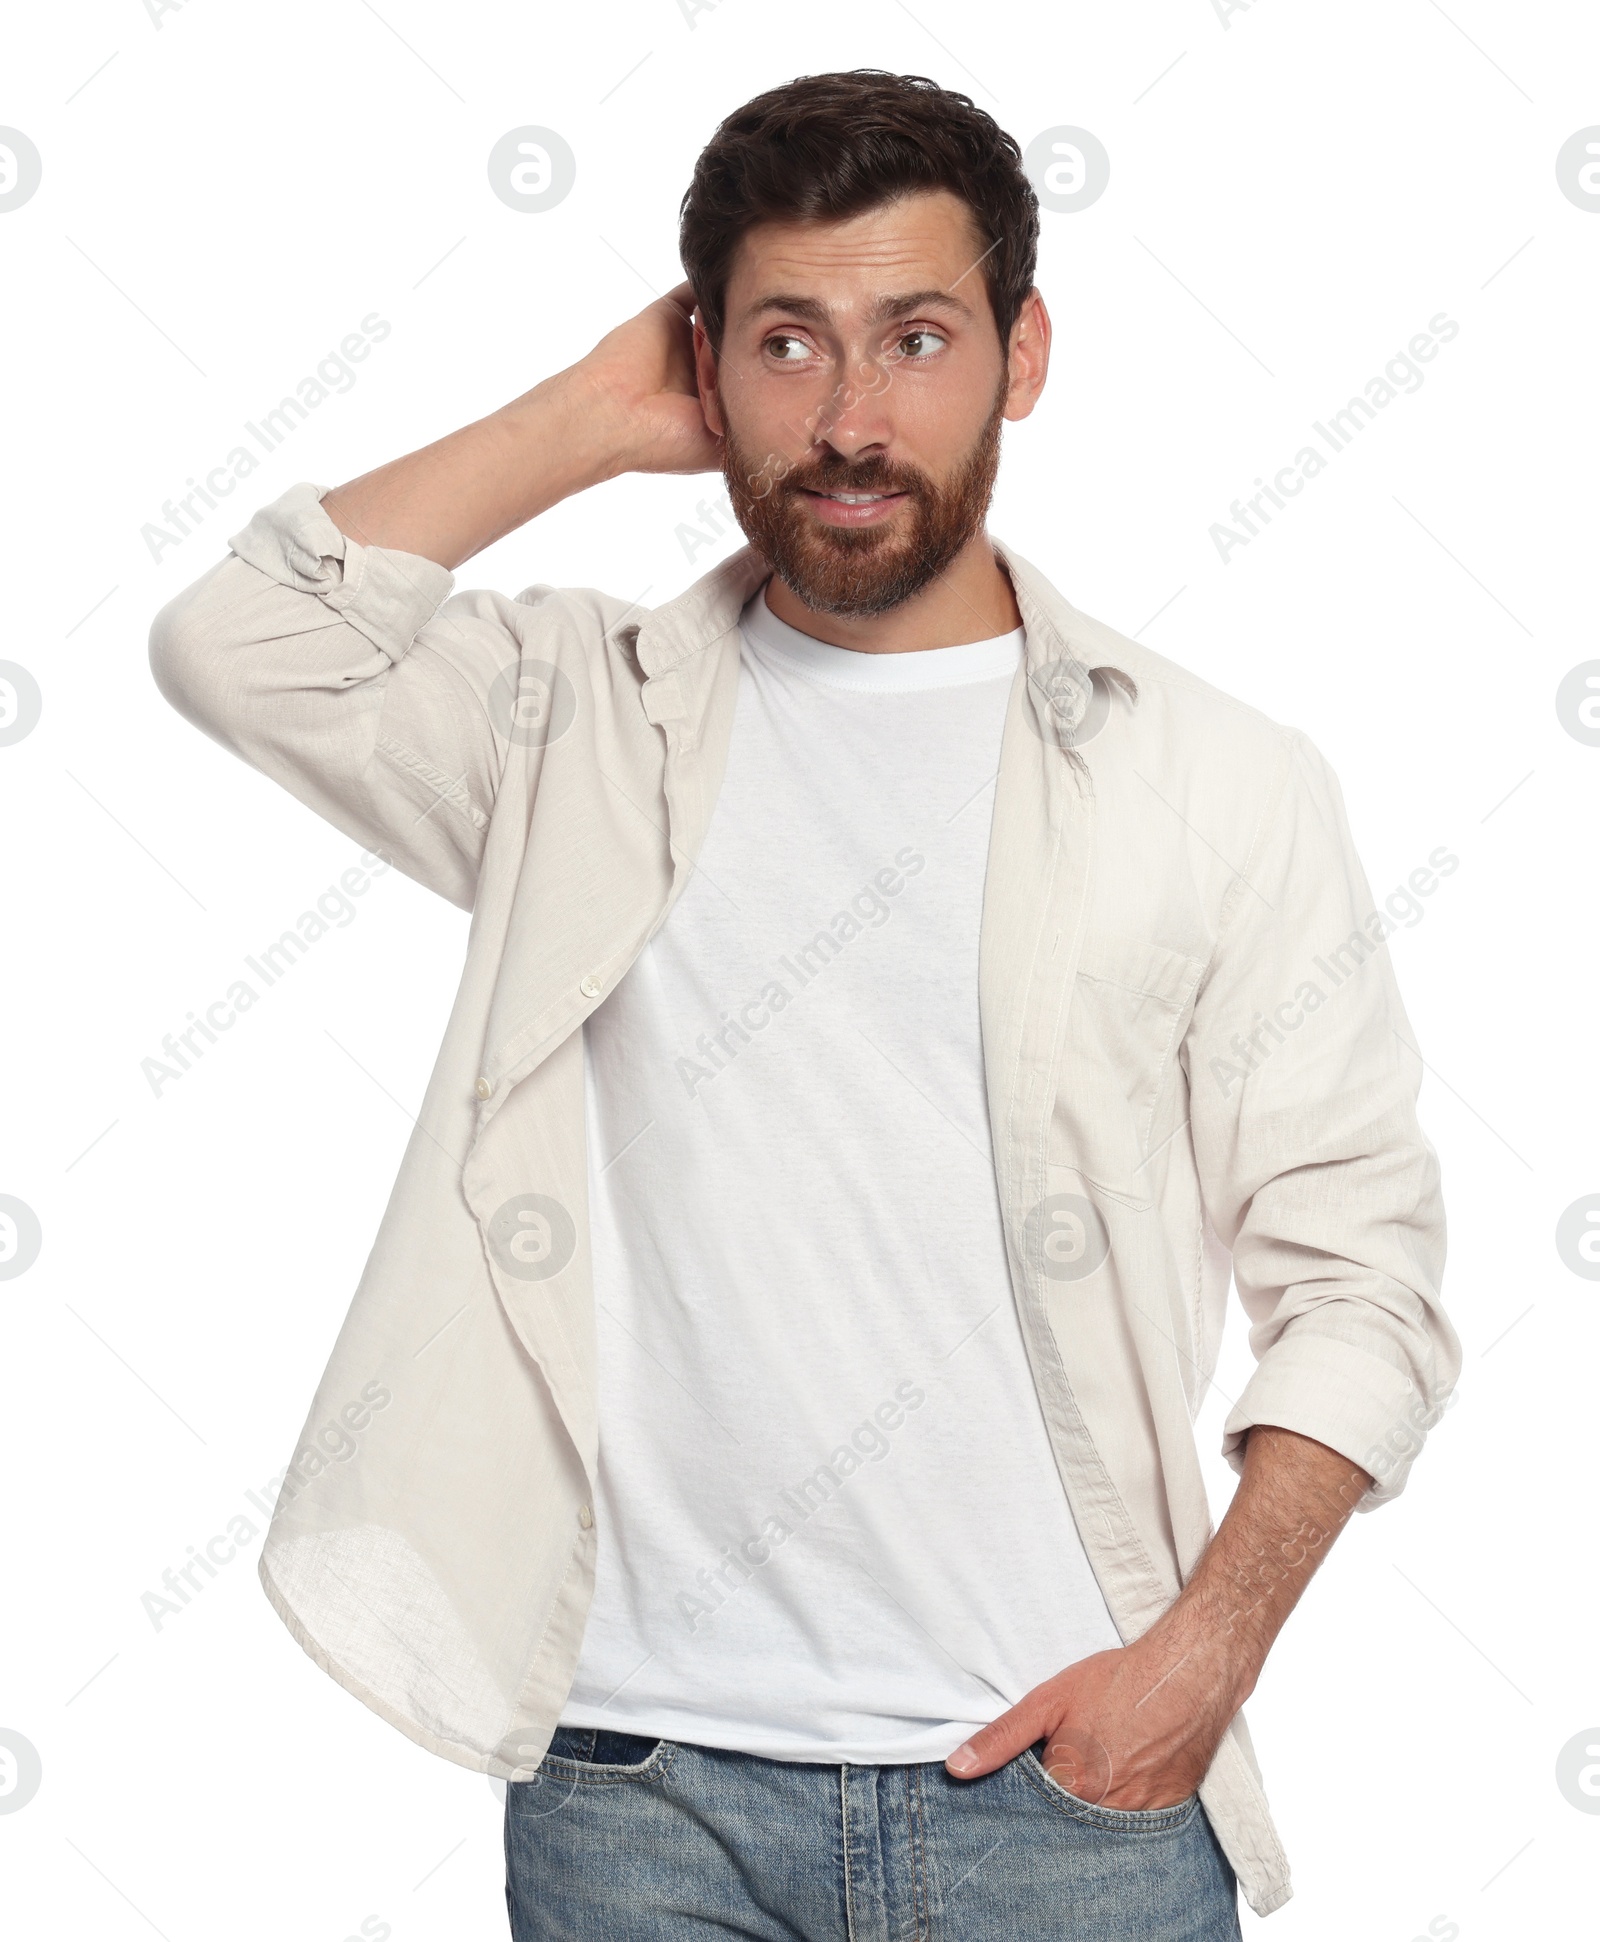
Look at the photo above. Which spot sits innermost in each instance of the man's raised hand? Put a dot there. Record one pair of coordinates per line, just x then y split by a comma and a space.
640, 382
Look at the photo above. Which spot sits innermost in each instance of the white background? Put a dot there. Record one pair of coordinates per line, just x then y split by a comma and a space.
1295, 191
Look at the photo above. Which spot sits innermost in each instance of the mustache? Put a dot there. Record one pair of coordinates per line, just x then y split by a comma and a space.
831, 473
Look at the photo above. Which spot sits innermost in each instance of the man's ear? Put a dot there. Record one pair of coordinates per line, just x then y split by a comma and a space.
705, 373
1029, 360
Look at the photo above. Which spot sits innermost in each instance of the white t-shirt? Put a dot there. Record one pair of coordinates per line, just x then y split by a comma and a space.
830, 1523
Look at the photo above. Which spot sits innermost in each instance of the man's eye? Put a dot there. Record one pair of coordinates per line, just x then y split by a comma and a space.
787, 350
919, 343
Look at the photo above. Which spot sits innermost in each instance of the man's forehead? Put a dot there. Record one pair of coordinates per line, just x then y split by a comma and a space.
918, 243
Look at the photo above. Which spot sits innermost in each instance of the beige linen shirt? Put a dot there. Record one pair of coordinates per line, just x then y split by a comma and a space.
1166, 1091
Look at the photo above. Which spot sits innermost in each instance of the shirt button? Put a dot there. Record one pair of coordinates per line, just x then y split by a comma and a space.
590, 987
585, 1516
483, 1088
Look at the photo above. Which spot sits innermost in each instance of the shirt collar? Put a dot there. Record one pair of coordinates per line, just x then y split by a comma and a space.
1057, 633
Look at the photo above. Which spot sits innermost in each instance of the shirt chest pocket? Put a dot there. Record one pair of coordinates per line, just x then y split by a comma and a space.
1120, 1094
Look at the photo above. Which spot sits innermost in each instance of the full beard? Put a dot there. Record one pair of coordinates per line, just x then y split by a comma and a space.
869, 570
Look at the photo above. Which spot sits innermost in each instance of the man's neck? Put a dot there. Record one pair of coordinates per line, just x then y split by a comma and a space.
971, 600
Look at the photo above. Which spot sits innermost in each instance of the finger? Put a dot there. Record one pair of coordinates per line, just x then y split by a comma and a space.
1001, 1740
680, 299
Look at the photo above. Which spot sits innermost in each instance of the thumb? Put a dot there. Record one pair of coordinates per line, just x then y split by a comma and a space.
1002, 1739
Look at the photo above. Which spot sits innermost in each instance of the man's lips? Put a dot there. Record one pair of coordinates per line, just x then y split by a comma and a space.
841, 506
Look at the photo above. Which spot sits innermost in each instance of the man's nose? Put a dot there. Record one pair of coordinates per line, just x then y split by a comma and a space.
855, 420
852, 452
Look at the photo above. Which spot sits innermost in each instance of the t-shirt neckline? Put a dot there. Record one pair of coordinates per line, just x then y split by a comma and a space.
832, 666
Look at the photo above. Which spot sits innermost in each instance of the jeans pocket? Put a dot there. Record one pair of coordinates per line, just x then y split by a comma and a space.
1127, 1820
597, 1752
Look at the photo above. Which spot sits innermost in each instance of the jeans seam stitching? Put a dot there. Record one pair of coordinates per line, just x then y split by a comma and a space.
919, 1886
844, 1824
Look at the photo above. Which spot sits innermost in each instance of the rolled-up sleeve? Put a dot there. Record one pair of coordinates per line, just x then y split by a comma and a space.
335, 669
1304, 1074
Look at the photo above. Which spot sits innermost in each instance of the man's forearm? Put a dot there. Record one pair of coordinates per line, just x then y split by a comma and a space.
631, 405
453, 498
1137, 1727
1294, 1497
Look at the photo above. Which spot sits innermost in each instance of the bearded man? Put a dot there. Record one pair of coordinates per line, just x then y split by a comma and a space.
886, 1021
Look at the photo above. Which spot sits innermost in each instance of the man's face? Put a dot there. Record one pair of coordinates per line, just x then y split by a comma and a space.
859, 391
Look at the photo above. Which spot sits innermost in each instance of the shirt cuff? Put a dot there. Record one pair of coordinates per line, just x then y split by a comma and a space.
387, 596
1340, 1395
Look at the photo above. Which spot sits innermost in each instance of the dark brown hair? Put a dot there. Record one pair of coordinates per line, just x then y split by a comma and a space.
831, 146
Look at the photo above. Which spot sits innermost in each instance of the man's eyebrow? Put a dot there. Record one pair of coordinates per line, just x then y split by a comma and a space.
812, 310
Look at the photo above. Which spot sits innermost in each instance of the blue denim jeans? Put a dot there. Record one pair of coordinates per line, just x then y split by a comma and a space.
623, 1839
